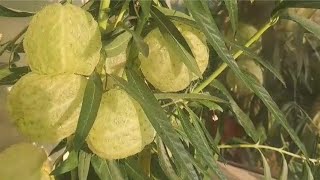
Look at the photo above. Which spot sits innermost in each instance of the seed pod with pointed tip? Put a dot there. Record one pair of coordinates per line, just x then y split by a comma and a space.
24, 161
121, 128
62, 39
46, 108
164, 69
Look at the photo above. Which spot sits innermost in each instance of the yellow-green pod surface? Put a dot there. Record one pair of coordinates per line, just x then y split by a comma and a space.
121, 128
46, 108
62, 39
164, 69
24, 161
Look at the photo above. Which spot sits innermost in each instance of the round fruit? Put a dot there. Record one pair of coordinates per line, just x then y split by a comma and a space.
164, 69
46, 108
244, 33
121, 128
236, 85
24, 161
62, 39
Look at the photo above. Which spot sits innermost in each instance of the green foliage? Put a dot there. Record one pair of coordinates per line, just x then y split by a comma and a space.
191, 125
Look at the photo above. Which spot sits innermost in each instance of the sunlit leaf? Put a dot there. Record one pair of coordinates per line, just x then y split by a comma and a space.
117, 45
175, 40
89, 109
138, 90
214, 37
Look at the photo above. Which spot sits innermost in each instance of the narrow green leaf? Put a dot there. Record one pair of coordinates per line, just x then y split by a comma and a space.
101, 168
267, 172
117, 45
145, 6
89, 109
313, 4
242, 117
264, 63
308, 24
4, 72
232, 7
69, 164
134, 170
115, 170
307, 173
211, 105
138, 90
164, 160
199, 142
175, 40
84, 165
191, 96
8, 12
284, 171
141, 45
214, 37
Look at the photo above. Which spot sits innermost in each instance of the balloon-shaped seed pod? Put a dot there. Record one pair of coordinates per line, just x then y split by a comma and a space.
24, 161
121, 128
236, 84
62, 39
46, 108
164, 69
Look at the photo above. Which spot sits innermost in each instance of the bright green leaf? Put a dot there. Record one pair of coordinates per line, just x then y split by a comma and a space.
175, 40
89, 109
284, 171
267, 172
84, 165
191, 96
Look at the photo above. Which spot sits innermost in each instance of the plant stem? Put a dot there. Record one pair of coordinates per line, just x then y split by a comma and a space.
103, 15
223, 66
280, 150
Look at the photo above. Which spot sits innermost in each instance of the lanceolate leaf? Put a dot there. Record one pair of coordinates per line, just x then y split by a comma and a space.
242, 117
314, 4
284, 171
264, 63
307, 173
159, 120
69, 164
175, 40
214, 37
267, 172
145, 5
7, 12
103, 169
89, 109
308, 24
84, 165
232, 6
191, 96
134, 170
199, 141
140, 44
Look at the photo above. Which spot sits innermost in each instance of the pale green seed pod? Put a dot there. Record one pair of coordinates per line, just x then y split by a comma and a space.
164, 69
24, 161
62, 39
244, 33
46, 108
236, 85
121, 128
